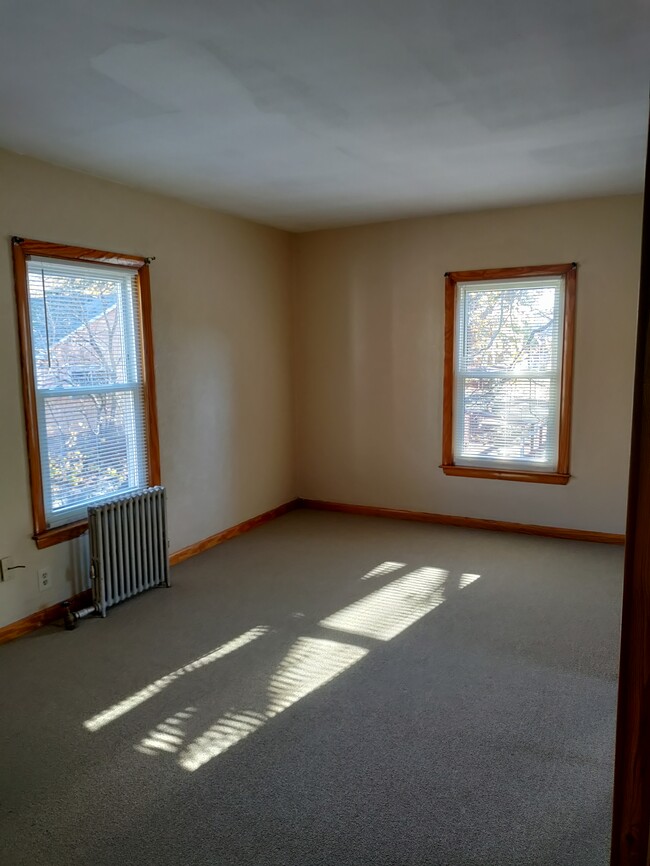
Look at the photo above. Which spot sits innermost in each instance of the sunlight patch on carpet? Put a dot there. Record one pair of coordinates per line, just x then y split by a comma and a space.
384, 568
466, 579
388, 611
308, 665
119, 709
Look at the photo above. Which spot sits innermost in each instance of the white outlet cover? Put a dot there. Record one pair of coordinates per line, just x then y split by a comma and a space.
44, 580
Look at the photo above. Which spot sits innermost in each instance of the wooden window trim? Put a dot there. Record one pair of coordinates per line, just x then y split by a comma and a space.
562, 475
23, 249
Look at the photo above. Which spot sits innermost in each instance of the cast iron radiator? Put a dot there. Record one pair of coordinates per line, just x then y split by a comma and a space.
128, 547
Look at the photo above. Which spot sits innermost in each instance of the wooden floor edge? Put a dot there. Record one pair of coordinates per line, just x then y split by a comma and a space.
468, 522
42, 617
55, 611
50, 614
232, 532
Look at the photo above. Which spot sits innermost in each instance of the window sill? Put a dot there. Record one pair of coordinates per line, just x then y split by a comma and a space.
50, 537
507, 474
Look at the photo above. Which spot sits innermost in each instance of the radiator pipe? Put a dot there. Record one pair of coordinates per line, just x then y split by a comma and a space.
70, 616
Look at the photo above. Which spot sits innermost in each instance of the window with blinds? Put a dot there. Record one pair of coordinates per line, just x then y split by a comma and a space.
508, 374
88, 380
88, 384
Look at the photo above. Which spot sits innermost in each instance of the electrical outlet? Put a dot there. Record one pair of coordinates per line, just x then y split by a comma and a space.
6, 568
44, 581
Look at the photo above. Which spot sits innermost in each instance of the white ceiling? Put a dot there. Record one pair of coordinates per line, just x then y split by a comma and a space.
310, 113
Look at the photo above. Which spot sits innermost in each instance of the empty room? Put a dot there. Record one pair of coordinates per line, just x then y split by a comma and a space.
325, 433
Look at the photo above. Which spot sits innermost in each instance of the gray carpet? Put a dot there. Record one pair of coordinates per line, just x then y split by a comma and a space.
408, 714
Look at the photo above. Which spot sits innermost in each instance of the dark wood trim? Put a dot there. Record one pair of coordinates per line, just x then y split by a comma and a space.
507, 474
562, 474
232, 532
448, 373
566, 384
28, 386
42, 617
84, 254
149, 374
50, 537
510, 273
45, 536
631, 815
467, 522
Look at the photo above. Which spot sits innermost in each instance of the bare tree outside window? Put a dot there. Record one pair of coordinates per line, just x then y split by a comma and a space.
508, 336
508, 369
88, 376
87, 382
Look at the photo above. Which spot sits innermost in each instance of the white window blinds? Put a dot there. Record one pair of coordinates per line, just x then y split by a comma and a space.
87, 357
508, 369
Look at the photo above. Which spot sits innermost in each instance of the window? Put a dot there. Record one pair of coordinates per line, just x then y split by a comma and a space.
88, 380
508, 370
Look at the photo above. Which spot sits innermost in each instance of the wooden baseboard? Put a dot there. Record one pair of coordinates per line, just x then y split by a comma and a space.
468, 522
55, 612
42, 617
232, 532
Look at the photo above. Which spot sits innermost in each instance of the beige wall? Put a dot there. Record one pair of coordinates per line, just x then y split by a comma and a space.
368, 355
220, 323
363, 337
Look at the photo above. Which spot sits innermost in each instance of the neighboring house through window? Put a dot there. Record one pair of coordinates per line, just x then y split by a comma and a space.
508, 368
87, 361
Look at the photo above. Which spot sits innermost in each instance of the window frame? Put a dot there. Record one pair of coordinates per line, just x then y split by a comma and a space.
23, 249
561, 475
